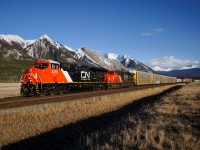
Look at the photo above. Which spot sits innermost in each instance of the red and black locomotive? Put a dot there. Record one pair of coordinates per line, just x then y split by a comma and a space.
52, 77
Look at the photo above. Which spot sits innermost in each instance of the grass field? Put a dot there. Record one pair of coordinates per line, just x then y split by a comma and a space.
170, 122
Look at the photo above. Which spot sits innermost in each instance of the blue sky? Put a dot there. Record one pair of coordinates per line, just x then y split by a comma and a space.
163, 34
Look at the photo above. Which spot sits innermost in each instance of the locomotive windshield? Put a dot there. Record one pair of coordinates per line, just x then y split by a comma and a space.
41, 65
111, 72
54, 66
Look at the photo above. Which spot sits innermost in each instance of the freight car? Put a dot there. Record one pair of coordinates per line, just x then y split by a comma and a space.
184, 80
144, 78
51, 77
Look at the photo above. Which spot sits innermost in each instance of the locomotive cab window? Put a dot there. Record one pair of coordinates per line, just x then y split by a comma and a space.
54, 66
40, 65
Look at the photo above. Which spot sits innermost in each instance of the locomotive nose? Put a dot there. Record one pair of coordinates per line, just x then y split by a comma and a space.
27, 76
30, 70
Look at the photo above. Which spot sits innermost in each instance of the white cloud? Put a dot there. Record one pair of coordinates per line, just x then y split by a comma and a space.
147, 34
157, 68
153, 31
168, 63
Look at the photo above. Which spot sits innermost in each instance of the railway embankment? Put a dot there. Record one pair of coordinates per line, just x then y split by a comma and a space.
17, 125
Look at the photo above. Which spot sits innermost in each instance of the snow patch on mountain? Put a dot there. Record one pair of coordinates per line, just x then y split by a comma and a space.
85, 54
69, 48
10, 39
14, 53
120, 58
47, 38
111, 56
57, 45
79, 54
29, 42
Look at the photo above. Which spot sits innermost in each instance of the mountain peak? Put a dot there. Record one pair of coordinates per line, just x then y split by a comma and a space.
111, 56
12, 38
117, 57
45, 36
69, 48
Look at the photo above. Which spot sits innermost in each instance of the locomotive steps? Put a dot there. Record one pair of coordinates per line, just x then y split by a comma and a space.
22, 123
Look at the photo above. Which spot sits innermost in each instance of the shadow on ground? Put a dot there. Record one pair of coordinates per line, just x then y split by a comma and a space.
68, 137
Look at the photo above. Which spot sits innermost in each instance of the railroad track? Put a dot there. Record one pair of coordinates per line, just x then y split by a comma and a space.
15, 102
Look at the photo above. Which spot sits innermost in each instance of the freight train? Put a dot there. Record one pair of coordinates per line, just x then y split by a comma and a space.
47, 77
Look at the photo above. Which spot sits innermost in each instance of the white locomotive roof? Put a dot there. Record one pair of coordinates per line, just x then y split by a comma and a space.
54, 62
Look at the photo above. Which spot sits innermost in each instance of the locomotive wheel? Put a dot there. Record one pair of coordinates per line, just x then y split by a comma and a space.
47, 90
97, 88
56, 91
110, 87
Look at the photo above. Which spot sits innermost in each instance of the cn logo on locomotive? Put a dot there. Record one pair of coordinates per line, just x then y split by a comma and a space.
85, 75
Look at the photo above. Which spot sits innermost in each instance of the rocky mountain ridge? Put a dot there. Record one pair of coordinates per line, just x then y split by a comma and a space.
13, 46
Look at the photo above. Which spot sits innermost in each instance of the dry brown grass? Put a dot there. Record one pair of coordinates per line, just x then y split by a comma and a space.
172, 122
23, 123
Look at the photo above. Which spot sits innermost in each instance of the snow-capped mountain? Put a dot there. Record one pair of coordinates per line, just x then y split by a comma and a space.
94, 58
157, 68
117, 57
128, 62
12, 40
13, 46
183, 73
69, 48
190, 71
45, 47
